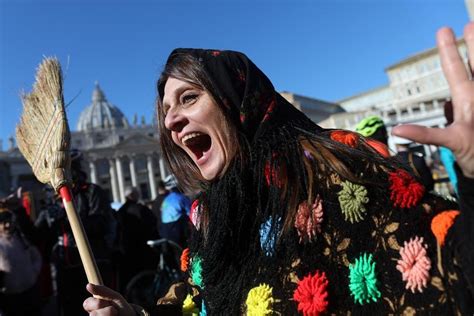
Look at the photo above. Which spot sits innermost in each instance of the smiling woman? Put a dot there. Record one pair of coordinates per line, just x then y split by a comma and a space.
293, 218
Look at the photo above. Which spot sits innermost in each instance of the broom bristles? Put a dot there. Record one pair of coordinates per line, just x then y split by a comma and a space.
43, 134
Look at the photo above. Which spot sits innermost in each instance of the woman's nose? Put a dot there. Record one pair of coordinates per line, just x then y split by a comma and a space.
175, 120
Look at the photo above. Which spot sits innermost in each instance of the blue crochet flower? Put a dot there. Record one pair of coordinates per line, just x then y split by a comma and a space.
268, 236
203, 311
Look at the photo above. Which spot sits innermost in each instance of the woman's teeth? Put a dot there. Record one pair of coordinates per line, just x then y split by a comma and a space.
187, 137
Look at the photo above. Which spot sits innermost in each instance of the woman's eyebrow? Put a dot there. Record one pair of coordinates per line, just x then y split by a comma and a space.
175, 95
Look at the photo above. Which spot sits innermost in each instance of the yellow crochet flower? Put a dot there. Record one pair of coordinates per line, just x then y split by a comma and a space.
189, 308
259, 301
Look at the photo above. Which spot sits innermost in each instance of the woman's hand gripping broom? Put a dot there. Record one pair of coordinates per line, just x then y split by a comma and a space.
43, 138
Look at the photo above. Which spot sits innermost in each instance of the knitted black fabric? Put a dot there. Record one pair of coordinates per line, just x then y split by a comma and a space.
285, 160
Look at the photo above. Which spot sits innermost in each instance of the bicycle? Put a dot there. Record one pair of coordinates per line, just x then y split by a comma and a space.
146, 287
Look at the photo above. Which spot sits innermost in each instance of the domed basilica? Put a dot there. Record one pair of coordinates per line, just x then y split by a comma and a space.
118, 154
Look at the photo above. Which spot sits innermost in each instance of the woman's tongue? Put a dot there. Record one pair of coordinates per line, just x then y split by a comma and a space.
199, 145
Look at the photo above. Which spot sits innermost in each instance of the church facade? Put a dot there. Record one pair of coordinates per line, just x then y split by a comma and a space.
118, 154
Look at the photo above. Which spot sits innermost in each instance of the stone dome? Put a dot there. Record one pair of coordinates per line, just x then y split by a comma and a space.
100, 114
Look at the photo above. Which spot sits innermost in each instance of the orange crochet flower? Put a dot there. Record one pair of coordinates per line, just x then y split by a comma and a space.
185, 260
441, 223
381, 148
349, 138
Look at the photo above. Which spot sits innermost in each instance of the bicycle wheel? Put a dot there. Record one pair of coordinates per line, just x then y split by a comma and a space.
141, 289
148, 286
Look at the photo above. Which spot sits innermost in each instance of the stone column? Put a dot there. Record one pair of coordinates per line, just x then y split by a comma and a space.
133, 172
120, 179
93, 174
113, 181
162, 168
151, 176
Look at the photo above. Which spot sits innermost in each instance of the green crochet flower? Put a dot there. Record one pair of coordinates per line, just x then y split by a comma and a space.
363, 283
196, 271
352, 199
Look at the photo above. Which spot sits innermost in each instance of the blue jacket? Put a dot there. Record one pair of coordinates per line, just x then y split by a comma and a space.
174, 206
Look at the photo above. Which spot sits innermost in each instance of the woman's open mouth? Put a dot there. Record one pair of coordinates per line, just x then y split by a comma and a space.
198, 143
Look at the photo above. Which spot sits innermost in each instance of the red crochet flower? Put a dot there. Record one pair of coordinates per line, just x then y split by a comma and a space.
349, 138
272, 174
311, 294
308, 219
185, 260
405, 190
194, 214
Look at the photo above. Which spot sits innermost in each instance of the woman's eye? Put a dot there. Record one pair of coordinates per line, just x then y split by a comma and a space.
189, 98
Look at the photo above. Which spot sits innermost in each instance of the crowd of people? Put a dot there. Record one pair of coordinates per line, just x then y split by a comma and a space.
290, 218
40, 268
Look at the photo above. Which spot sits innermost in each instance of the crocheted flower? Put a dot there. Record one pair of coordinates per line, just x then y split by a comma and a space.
272, 173
363, 283
308, 219
196, 271
194, 214
349, 138
189, 307
185, 260
405, 190
268, 236
414, 264
352, 199
259, 301
203, 311
311, 294
441, 223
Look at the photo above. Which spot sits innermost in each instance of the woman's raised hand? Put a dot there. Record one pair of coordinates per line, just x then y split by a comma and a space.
110, 303
459, 136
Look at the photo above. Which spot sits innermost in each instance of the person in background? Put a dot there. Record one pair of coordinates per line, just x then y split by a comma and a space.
156, 206
100, 225
373, 127
137, 225
20, 264
174, 214
415, 161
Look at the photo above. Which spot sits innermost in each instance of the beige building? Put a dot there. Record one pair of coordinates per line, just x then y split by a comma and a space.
416, 93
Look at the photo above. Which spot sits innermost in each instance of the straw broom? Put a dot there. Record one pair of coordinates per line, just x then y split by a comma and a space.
43, 138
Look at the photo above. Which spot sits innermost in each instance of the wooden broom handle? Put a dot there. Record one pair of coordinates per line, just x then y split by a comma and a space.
92, 272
